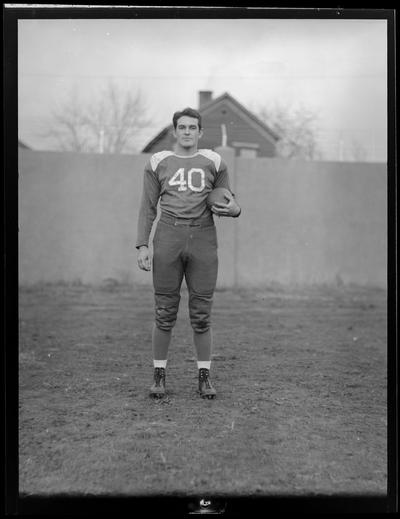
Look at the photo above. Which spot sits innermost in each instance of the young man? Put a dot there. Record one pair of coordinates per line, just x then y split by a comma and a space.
185, 242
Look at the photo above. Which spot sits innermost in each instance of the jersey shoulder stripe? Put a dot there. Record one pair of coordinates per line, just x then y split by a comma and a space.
158, 157
213, 156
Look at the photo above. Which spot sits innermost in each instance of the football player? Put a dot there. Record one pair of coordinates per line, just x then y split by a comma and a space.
185, 241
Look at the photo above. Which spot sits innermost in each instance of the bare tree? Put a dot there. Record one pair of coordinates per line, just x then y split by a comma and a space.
296, 128
108, 124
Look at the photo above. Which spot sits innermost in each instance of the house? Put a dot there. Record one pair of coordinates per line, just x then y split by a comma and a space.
225, 122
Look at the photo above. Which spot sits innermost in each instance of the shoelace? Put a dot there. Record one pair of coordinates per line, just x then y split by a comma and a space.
204, 377
159, 375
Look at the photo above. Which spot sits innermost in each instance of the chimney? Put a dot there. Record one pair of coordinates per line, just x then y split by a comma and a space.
205, 96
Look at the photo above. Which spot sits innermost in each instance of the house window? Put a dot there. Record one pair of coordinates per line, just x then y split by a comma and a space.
247, 153
246, 149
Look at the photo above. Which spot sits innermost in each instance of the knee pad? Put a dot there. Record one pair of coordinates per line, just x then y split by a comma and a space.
166, 310
200, 312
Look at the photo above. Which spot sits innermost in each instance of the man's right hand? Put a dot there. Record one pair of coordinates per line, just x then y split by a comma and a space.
143, 258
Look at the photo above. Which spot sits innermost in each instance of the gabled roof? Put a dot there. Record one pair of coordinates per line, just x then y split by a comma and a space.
208, 107
157, 138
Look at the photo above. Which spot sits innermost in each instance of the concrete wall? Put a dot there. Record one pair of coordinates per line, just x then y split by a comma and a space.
77, 216
302, 222
312, 222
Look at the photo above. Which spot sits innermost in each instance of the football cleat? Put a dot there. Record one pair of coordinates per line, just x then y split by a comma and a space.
157, 390
206, 389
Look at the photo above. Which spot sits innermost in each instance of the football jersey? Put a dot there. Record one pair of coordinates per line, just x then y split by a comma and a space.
181, 184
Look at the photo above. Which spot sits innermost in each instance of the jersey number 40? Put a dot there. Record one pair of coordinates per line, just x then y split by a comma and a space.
195, 175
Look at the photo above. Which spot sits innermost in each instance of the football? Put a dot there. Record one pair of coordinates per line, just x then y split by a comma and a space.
218, 195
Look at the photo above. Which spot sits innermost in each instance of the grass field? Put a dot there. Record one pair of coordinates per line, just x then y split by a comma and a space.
300, 410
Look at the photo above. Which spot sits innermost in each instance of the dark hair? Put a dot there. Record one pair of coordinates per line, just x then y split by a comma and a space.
190, 112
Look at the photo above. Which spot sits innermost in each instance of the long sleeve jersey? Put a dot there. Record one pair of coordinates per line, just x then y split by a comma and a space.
182, 184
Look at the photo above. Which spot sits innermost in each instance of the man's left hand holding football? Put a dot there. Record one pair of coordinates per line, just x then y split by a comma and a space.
231, 208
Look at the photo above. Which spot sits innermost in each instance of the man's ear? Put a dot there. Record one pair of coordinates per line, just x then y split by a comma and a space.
200, 133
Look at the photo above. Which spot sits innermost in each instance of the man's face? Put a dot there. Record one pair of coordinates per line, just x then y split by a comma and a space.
187, 132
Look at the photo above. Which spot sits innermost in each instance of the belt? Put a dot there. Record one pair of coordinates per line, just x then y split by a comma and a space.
202, 221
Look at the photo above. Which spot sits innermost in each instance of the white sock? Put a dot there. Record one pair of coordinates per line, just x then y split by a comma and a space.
204, 364
160, 363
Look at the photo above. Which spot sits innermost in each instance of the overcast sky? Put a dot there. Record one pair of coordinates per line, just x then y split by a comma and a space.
336, 68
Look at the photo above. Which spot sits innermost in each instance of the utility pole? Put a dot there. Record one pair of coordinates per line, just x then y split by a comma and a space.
101, 140
224, 135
